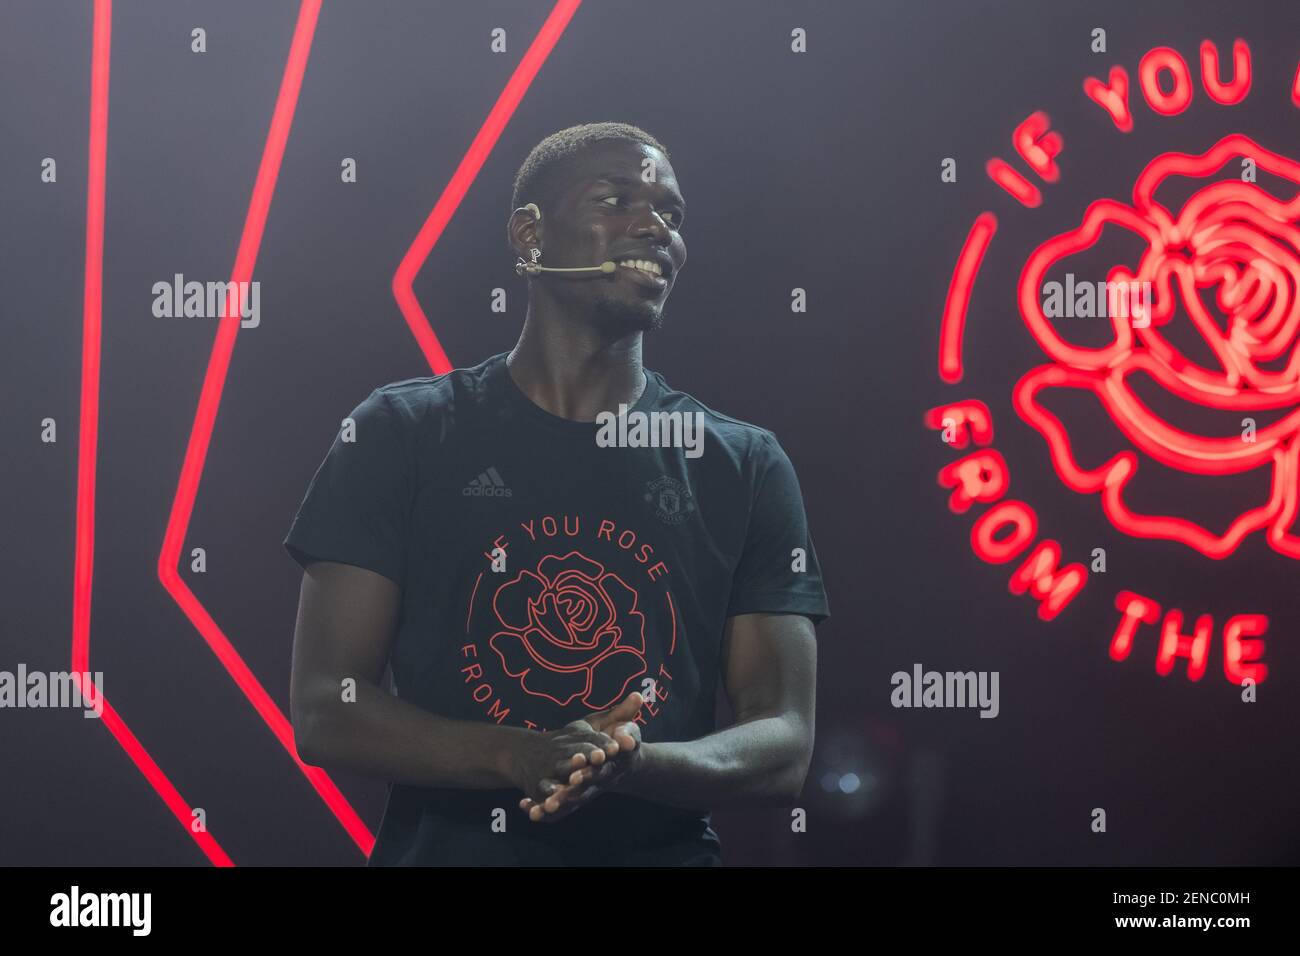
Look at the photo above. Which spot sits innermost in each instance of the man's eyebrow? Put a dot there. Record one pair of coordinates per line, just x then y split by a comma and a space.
616, 180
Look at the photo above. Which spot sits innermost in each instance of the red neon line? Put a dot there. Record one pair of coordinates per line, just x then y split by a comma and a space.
1010, 180
91, 330
959, 293
464, 177
88, 442
1038, 147
1112, 97
1111, 478
1234, 91
205, 419
1163, 58
178, 805
210, 397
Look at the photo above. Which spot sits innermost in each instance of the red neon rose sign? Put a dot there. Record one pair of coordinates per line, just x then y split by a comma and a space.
1230, 236
1232, 243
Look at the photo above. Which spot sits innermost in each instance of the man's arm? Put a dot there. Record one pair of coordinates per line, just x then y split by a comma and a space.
769, 672
347, 619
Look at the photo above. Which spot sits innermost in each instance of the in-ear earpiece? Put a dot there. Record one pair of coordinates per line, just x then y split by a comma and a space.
537, 213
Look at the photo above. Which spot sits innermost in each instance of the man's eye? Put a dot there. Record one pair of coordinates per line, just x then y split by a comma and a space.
670, 216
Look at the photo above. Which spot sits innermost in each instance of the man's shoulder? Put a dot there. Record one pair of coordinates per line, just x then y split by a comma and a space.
415, 400
740, 436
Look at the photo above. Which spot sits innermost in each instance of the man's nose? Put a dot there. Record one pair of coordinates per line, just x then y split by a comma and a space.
651, 222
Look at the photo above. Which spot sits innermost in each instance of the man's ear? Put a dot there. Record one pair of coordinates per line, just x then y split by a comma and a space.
523, 232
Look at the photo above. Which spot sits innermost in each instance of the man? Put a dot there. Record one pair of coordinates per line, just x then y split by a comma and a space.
558, 587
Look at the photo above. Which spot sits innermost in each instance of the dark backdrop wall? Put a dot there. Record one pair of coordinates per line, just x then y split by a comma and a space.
816, 170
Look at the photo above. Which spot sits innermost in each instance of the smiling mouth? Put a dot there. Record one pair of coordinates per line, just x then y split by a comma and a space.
645, 265
644, 272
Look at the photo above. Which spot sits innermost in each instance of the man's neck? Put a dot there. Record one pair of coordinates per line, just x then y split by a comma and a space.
576, 373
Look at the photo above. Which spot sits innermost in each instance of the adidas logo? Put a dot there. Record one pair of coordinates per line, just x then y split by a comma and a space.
488, 484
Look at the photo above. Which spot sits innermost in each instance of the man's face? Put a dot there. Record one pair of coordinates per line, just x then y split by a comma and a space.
606, 210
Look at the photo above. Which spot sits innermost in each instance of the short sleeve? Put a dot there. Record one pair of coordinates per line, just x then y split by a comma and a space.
357, 507
778, 572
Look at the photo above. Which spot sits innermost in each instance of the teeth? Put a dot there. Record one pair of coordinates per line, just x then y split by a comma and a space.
645, 265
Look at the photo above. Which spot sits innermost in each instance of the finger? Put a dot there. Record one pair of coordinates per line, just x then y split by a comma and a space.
572, 804
582, 776
563, 795
542, 812
570, 765
545, 787
626, 736
580, 780
548, 786
592, 753
623, 710
576, 773
600, 743
538, 809
532, 808
575, 784
578, 786
626, 709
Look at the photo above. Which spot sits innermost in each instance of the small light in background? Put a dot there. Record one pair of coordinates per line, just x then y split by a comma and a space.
852, 771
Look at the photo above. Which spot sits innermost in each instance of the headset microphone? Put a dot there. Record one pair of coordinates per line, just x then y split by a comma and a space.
532, 268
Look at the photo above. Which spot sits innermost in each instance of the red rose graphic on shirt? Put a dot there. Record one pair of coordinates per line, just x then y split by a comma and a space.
1234, 245
571, 630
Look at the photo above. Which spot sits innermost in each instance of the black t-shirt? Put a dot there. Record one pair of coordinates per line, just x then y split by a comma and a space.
546, 575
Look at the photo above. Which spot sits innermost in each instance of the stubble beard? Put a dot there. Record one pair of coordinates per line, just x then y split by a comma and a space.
620, 317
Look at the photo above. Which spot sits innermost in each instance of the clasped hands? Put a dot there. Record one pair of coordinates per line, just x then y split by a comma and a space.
565, 769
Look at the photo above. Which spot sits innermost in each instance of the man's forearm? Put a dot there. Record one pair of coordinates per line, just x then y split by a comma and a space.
379, 735
762, 760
